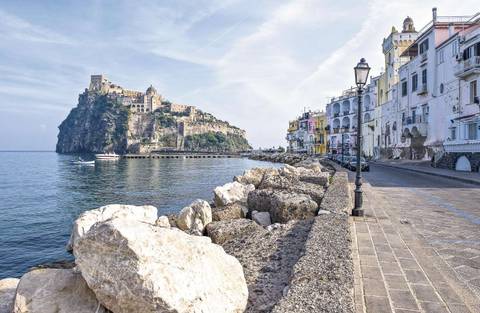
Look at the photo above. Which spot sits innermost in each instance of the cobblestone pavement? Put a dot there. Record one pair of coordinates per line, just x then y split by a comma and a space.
418, 247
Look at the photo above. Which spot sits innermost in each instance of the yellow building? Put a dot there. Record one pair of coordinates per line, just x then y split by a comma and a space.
320, 145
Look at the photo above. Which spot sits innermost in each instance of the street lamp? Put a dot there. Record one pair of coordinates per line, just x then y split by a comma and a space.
361, 75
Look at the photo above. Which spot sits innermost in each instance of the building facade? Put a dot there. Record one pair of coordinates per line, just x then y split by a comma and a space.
307, 134
425, 105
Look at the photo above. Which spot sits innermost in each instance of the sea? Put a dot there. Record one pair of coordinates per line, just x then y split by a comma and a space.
42, 193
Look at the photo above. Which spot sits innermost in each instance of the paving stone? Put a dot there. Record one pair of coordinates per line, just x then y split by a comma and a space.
408, 264
368, 260
415, 277
433, 307
386, 257
377, 304
390, 268
374, 287
396, 282
405, 311
467, 272
425, 293
458, 308
382, 248
449, 295
403, 299
371, 272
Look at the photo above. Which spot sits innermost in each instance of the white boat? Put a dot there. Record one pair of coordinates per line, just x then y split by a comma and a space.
81, 161
107, 156
78, 162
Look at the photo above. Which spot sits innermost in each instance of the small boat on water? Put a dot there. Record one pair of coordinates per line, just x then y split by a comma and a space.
107, 156
80, 161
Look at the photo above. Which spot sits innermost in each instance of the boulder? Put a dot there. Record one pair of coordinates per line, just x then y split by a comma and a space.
308, 175
231, 193
293, 184
82, 224
222, 231
137, 267
8, 286
163, 221
262, 218
255, 176
229, 212
195, 217
55, 291
283, 206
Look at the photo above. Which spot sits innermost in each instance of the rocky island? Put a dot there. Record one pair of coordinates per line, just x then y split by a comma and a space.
111, 118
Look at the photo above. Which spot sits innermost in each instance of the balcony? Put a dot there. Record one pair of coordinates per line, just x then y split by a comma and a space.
416, 125
422, 89
462, 146
468, 67
337, 114
336, 130
346, 112
423, 57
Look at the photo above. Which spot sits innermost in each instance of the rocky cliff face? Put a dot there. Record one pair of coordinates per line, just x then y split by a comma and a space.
101, 123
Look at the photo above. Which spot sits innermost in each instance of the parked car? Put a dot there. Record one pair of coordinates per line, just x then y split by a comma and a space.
345, 161
352, 164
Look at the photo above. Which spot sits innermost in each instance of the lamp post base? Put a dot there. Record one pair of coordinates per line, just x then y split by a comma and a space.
357, 209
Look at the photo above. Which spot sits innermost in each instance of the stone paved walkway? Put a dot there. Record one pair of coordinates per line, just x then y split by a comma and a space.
414, 251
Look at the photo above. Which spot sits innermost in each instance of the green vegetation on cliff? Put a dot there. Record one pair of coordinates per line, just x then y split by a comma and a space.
216, 142
97, 124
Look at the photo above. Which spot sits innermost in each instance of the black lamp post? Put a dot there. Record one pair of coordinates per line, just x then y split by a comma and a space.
361, 75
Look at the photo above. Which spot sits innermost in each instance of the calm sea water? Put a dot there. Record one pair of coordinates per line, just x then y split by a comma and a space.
41, 194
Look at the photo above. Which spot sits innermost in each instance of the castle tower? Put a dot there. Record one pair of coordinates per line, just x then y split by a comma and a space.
96, 82
408, 26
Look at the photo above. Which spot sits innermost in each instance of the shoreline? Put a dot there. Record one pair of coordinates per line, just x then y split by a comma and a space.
240, 237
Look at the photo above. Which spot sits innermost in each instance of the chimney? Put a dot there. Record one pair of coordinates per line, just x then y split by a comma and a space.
434, 14
451, 30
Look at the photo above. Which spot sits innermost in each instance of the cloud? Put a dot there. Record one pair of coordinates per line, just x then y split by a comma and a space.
13, 27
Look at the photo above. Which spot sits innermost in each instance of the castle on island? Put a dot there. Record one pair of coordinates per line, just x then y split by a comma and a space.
136, 101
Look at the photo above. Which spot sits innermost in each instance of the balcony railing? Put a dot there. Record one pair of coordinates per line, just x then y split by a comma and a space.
468, 67
414, 120
337, 114
423, 89
423, 57
346, 112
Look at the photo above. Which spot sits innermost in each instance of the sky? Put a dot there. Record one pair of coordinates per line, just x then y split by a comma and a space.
257, 64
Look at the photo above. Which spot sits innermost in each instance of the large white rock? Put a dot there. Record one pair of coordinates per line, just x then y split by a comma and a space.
55, 291
82, 224
195, 217
137, 267
163, 221
7, 294
231, 193
255, 175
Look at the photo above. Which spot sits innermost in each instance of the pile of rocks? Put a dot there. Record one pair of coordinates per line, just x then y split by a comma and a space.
287, 158
222, 256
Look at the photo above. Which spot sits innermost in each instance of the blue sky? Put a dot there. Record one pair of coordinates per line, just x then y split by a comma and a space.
256, 63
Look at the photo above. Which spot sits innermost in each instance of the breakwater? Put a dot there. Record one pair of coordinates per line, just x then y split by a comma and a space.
282, 251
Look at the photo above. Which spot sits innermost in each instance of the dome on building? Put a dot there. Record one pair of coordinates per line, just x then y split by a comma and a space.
151, 90
408, 25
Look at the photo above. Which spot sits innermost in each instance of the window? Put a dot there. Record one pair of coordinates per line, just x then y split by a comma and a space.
473, 91
467, 53
404, 88
441, 57
424, 77
472, 131
414, 82
424, 46
454, 48
441, 88
453, 133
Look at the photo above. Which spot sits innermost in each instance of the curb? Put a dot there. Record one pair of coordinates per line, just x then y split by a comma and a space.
465, 180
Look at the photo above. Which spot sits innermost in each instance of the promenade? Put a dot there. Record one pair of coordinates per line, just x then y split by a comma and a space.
418, 247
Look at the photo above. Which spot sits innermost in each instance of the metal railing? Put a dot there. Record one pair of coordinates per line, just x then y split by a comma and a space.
414, 120
468, 64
